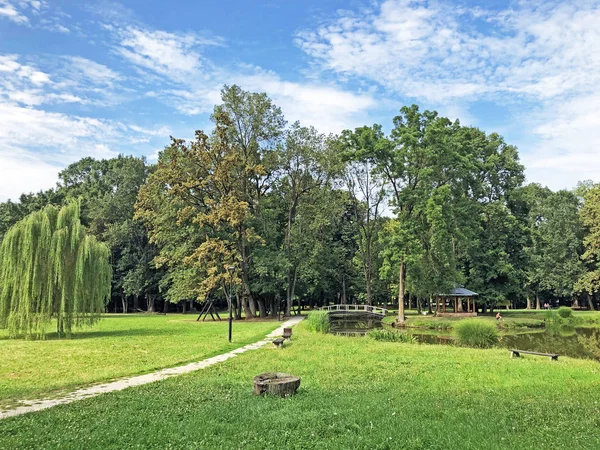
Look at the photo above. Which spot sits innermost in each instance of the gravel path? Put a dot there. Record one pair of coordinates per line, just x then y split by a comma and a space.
93, 391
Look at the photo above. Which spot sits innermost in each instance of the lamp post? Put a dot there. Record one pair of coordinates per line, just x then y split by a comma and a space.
230, 270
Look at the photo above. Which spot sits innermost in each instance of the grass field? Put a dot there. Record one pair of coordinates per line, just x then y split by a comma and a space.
117, 346
356, 393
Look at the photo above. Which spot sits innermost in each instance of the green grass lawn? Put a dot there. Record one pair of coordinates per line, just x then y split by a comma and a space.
356, 393
117, 346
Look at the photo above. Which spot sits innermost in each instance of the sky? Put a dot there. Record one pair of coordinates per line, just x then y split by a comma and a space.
100, 78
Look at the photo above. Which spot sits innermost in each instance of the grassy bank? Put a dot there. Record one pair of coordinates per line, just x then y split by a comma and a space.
511, 319
119, 345
355, 393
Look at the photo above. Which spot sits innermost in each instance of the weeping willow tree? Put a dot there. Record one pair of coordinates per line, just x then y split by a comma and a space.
51, 269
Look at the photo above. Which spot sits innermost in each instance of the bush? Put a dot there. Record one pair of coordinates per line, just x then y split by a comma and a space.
389, 335
318, 321
565, 312
476, 333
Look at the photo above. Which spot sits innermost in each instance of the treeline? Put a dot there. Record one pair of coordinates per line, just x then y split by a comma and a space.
305, 218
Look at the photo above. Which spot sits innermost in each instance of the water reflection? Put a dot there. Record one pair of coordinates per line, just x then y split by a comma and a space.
353, 324
564, 340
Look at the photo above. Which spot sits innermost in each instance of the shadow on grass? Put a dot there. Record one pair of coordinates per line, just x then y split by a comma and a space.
96, 334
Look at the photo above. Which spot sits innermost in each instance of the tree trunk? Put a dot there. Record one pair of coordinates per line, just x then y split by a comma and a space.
590, 303
184, 307
291, 291
279, 384
343, 302
166, 306
369, 292
124, 303
537, 301
419, 302
575, 303
460, 305
429, 305
150, 303
402, 279
528, 302
136, 303
238, 306
274, 306
261, 307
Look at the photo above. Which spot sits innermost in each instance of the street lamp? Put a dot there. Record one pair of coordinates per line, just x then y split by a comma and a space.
230, 269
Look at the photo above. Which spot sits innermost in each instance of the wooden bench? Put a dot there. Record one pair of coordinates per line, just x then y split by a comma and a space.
279, 341
517, 354
287, 333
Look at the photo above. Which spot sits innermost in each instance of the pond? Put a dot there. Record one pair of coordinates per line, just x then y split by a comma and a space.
353, 324
580, 342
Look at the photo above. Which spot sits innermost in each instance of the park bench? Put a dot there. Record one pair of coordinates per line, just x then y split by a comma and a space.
279, 341
287, 333
517, 354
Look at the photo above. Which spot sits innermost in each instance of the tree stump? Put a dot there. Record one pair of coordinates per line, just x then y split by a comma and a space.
276, 383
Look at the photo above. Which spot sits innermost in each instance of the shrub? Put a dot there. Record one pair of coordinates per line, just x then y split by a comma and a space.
318, 321
476, 333
389, 335
565, 312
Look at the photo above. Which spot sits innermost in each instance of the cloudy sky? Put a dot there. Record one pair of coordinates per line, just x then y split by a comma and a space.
102, 78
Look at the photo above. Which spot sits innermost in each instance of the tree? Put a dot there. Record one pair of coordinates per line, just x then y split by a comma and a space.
193, 205
589, 281
304, 165
51, 268
415, 162
367, 191
556, 241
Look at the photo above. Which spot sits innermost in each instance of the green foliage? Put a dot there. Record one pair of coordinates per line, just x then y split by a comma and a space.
476, 333
390, 335
565, 312
50, 267
318, 322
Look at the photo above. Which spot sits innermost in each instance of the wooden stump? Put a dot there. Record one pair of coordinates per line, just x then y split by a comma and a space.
276, 383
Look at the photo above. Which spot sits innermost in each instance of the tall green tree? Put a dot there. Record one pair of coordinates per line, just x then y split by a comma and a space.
367, 189
197, 191
51, 268
556, 243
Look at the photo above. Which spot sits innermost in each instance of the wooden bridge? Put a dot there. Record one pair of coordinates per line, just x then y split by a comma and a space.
355, 309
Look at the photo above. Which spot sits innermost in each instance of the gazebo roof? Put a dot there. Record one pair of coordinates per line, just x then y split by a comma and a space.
460, 292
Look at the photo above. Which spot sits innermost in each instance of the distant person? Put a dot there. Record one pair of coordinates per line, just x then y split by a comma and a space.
498, 316
546, 305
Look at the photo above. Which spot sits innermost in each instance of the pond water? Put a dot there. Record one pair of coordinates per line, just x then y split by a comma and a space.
580, 342
352, 324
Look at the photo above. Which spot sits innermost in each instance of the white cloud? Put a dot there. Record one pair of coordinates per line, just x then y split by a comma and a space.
24, 172
436, 52
328, 108
544, 54
172, 55
9, 10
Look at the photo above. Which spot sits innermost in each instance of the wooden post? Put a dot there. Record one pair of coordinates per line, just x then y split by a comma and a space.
474, 307
444, 304
468, 304
455, 304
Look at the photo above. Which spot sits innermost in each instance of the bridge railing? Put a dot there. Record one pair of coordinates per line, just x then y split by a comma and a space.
358, 308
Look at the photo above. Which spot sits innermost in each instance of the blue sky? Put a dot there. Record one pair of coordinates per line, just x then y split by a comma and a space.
102, 78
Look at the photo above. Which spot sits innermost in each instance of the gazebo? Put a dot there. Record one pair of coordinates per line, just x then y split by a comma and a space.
458, 295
